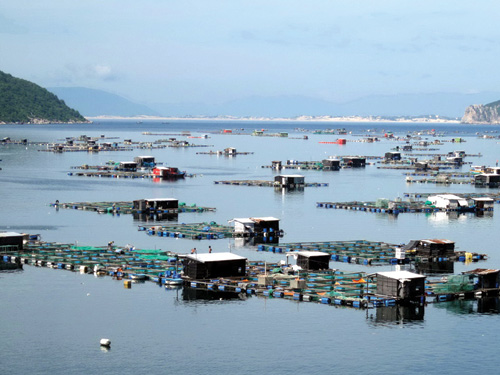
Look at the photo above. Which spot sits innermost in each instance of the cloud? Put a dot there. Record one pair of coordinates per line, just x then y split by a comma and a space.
94, 72
76, 74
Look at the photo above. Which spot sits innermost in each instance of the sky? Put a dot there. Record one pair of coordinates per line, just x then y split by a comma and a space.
213, 51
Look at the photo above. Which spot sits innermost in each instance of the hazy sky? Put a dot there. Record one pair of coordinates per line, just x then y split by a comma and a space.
213, 51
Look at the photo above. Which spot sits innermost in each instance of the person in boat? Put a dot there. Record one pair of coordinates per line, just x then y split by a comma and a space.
209, 249
193, 250
110, 245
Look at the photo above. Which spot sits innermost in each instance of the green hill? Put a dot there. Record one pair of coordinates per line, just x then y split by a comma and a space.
22, 101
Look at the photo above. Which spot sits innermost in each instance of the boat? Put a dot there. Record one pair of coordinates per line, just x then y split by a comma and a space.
173, 281
139, 276
168, 172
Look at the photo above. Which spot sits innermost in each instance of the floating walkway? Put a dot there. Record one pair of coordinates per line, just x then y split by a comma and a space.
445, 180
127, 207
267, 183
368, 253
396, 207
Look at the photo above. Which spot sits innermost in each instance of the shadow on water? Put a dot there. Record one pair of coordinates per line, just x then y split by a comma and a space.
203, 295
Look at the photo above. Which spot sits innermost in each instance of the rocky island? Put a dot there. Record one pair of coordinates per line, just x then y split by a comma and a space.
24, 102
482, 114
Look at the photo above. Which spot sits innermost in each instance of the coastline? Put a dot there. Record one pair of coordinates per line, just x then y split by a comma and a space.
329, 119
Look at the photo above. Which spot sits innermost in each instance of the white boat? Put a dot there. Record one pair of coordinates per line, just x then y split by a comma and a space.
173, 281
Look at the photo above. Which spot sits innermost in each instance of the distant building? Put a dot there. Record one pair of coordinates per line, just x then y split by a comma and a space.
487, 179
256, 225
331, 164
354, 161
145, 161
448, 201
156, 204
290, 180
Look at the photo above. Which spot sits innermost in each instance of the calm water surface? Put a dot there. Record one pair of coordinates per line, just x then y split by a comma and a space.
52, 320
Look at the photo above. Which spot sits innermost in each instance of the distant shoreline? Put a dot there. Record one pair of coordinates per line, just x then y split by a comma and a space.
372, 119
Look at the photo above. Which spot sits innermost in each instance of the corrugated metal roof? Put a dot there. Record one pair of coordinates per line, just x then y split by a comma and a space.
10, 234
400, 275
214, 257
438, 241
481, 271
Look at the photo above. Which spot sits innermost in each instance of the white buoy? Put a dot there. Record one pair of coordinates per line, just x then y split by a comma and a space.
105, 342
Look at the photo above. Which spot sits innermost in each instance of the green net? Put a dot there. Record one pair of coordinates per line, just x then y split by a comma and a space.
457, 283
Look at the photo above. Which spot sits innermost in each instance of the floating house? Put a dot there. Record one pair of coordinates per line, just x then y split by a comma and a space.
421, 166
391, 156
455, 160
485, 278
231, 151
448, 201
492, 170
487, 179
483, 203
290, 180
354, 161
214, 265
11, 239
276, 164
312, 260
331, 164
145, 161
431, 248
130, 166
402, 285
155, 205
167, 172
256, 225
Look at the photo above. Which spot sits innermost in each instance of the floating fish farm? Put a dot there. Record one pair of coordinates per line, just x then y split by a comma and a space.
364, 252
266, 183
195, 231
271, 280
127, 207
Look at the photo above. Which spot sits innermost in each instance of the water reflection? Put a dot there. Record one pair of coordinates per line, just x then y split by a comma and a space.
154, 217
432, 268
443, 217
396, 315
485, 305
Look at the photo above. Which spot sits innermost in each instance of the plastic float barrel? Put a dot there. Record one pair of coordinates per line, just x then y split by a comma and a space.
297, 296
325, 300
278, 294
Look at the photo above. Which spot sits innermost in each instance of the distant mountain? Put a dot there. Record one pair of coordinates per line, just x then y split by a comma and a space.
93, 102
482, 114
23, 101
441, 104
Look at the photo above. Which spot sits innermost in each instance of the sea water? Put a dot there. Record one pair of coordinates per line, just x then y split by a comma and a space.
52, 320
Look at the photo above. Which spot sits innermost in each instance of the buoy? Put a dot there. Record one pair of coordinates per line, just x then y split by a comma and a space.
127, 284
105, 342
